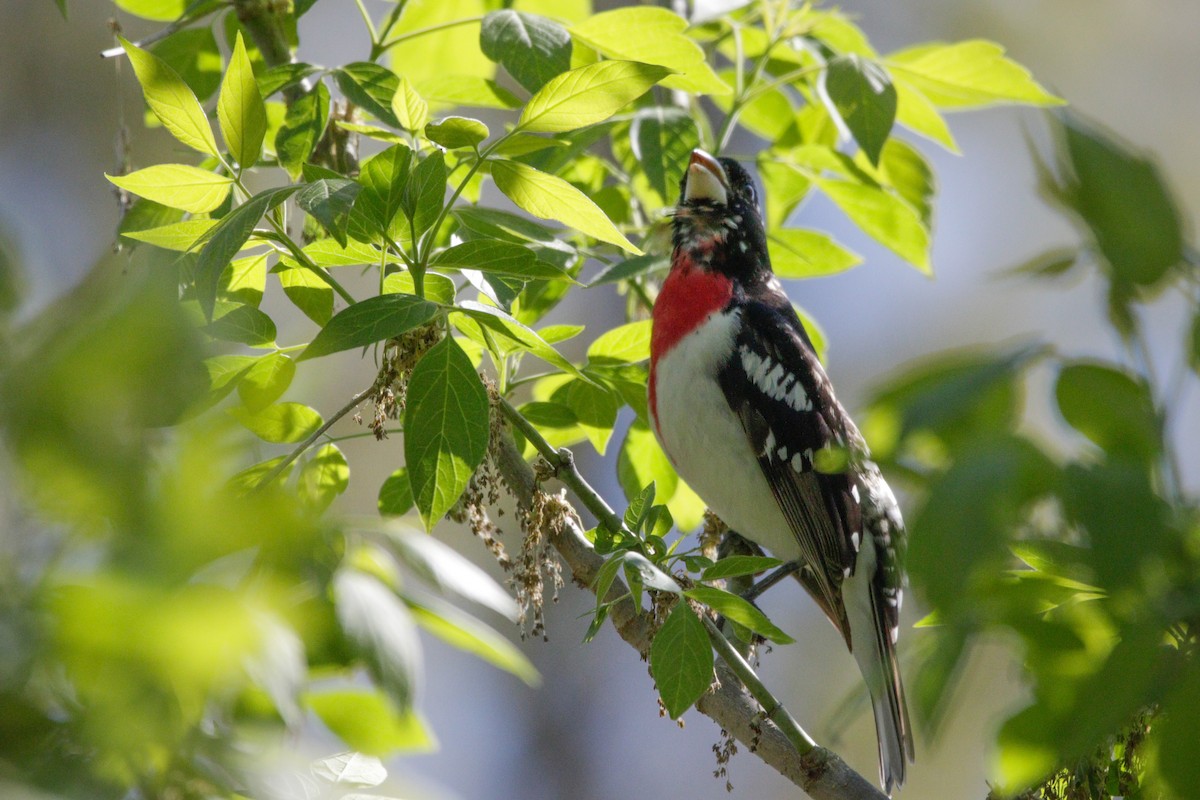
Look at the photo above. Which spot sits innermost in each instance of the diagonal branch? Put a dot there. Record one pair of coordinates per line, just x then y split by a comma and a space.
752, 719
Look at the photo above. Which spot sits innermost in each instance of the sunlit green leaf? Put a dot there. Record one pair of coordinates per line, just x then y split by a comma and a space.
171, 100
324, 476
240, 109
886, 218
453, 133
372, 87
307, 291
424, 193
662, 139
452, 49
395, 494
282, 423
797, 253
410, 109
178, 186
383, 177
588, 95
266, 381
369, 321
739, 610
681, 660
626, 343
464, 90
244, 280
595, 408
367, 722
520, 336
654, 36
550, 197
241, 323
156, 10
968, 74
500, 258
736, 566
446, 428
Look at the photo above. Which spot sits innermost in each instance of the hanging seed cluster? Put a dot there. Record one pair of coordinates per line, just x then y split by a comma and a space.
400, 356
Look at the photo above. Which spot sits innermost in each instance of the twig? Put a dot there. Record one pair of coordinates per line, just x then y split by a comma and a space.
307, 443
754, 719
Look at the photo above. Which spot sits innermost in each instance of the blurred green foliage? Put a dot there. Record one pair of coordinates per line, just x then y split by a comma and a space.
176, 592
1088, 553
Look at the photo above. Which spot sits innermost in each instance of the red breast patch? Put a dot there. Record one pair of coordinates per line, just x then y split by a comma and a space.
689, 295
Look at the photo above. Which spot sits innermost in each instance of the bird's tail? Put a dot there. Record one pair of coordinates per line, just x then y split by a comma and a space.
875, 653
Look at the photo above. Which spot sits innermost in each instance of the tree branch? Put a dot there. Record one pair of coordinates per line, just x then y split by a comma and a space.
820, 772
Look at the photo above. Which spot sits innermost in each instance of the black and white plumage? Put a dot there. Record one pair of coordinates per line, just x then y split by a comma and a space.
742, 406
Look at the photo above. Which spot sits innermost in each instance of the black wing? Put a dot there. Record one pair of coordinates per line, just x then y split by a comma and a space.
776, 385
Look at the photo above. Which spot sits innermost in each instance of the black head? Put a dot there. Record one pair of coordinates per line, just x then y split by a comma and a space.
718, 220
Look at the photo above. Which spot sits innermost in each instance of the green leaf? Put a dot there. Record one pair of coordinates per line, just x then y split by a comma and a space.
662, 140
178, 186
736, 566
226, 239
464, 90
629, 269
681, 660
241, 110
797, 253
302, 129
224, 372
1178, 733
588, 95
266, 381
383, 177
438, 288
595, 408
517, 333
785, 186
915, 112
532, 48
243, 324
323, 477
307, 291
425, 193
654, 36
906, 171
453, 133
369, 321
181, 237
193, 53
863, 97
395, 494
1111, 408
156, 10
642, 462
550, 197
171, 100
499, 258
472, 636
446, 428
367, 722
411, 111
382, 631
244, 280
628, 343
252, 477
739, 610
455, 49
884, 217
62, 8
639, 506
282, 76
282, 423
1125, 202
445, 569
372, 87
330, 201
968, 74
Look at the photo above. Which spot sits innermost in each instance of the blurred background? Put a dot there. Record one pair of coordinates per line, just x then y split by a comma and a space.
1129, 64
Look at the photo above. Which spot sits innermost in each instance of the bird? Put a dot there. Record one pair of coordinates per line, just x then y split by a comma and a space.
746, 414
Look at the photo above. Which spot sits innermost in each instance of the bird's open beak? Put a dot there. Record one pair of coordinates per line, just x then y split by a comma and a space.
706, 179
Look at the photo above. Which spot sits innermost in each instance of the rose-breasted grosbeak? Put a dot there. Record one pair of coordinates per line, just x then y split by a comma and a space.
742, 407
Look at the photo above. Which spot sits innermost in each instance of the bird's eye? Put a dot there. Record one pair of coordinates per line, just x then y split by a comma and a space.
751, 193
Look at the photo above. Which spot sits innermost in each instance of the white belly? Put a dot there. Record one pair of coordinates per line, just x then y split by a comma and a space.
705, 441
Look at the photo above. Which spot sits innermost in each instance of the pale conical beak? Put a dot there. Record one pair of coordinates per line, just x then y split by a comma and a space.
706, 179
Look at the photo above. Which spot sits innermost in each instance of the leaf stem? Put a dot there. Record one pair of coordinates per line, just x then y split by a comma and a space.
367, 19
772, 707
307, 443
379, 49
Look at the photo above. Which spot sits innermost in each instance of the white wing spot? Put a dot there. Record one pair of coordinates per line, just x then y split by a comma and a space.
854, 494
846, 572
854, 540
782, 453
769, 444
743, 246
798, 399
798, 462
